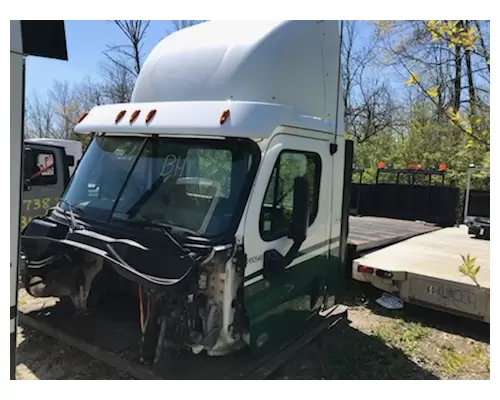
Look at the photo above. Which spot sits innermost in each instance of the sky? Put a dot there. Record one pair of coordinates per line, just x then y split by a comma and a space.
85, 40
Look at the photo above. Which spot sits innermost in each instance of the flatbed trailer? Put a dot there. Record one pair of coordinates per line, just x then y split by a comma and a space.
424, 270
119, 334
367, 234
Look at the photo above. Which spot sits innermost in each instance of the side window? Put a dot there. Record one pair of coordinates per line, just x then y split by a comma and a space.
43, 170
276, 212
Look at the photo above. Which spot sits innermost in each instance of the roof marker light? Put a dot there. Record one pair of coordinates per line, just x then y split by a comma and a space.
80, 119
224, 116
119, 116
150, 116
134, 115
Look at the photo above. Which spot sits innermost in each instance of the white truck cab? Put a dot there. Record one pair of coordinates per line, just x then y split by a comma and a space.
48, 167
217, 192
72, 148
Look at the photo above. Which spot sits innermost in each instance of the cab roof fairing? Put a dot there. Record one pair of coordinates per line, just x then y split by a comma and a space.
272, 72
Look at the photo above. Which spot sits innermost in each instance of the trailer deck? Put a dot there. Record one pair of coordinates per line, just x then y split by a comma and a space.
111, 334
425, 270
370, 233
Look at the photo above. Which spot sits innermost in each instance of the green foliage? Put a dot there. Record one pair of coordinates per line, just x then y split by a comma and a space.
453, 361
381, 147
405, 335
427, 138
451, 33
483, 359
470, 269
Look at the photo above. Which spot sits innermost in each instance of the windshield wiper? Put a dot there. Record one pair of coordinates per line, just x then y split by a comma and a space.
73, 223
156, 223
164, 227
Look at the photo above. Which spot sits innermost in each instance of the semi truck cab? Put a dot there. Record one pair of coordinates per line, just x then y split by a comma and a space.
217, 194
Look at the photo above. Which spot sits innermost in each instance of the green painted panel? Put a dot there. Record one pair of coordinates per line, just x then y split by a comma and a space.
280, 307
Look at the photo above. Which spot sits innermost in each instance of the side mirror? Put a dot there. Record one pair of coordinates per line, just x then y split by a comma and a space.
70, 161
300, 213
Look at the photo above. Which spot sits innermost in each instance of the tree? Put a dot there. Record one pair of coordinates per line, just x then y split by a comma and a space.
39, 117
129, 56
368, 103
124, 61
90, 93
117, 83
66, 108
440, 59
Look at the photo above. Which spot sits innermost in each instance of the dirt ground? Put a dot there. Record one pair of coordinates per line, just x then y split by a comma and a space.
413, 343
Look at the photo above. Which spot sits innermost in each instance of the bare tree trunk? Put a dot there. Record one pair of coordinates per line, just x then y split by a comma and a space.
486, 53
135, 32
470, 81
458, 74
347, 48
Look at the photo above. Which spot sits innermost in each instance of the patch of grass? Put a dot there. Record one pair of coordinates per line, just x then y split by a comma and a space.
452, 360
405, 335
383, 333
413, 333
479, 355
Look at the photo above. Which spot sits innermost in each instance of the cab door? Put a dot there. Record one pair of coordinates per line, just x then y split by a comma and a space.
45, 177
279, 302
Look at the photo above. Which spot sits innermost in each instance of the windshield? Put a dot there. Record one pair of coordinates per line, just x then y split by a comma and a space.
194, 184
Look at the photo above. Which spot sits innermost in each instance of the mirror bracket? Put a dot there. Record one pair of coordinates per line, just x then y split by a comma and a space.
26, 185
275, 263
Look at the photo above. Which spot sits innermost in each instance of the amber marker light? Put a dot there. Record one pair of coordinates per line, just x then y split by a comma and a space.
119, 116
134, 115
224, 116
150, 116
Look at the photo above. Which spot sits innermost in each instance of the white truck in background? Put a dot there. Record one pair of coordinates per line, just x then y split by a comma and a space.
72, 148
48, 167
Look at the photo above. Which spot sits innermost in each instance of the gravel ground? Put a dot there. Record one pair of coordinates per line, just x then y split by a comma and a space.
377, 344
